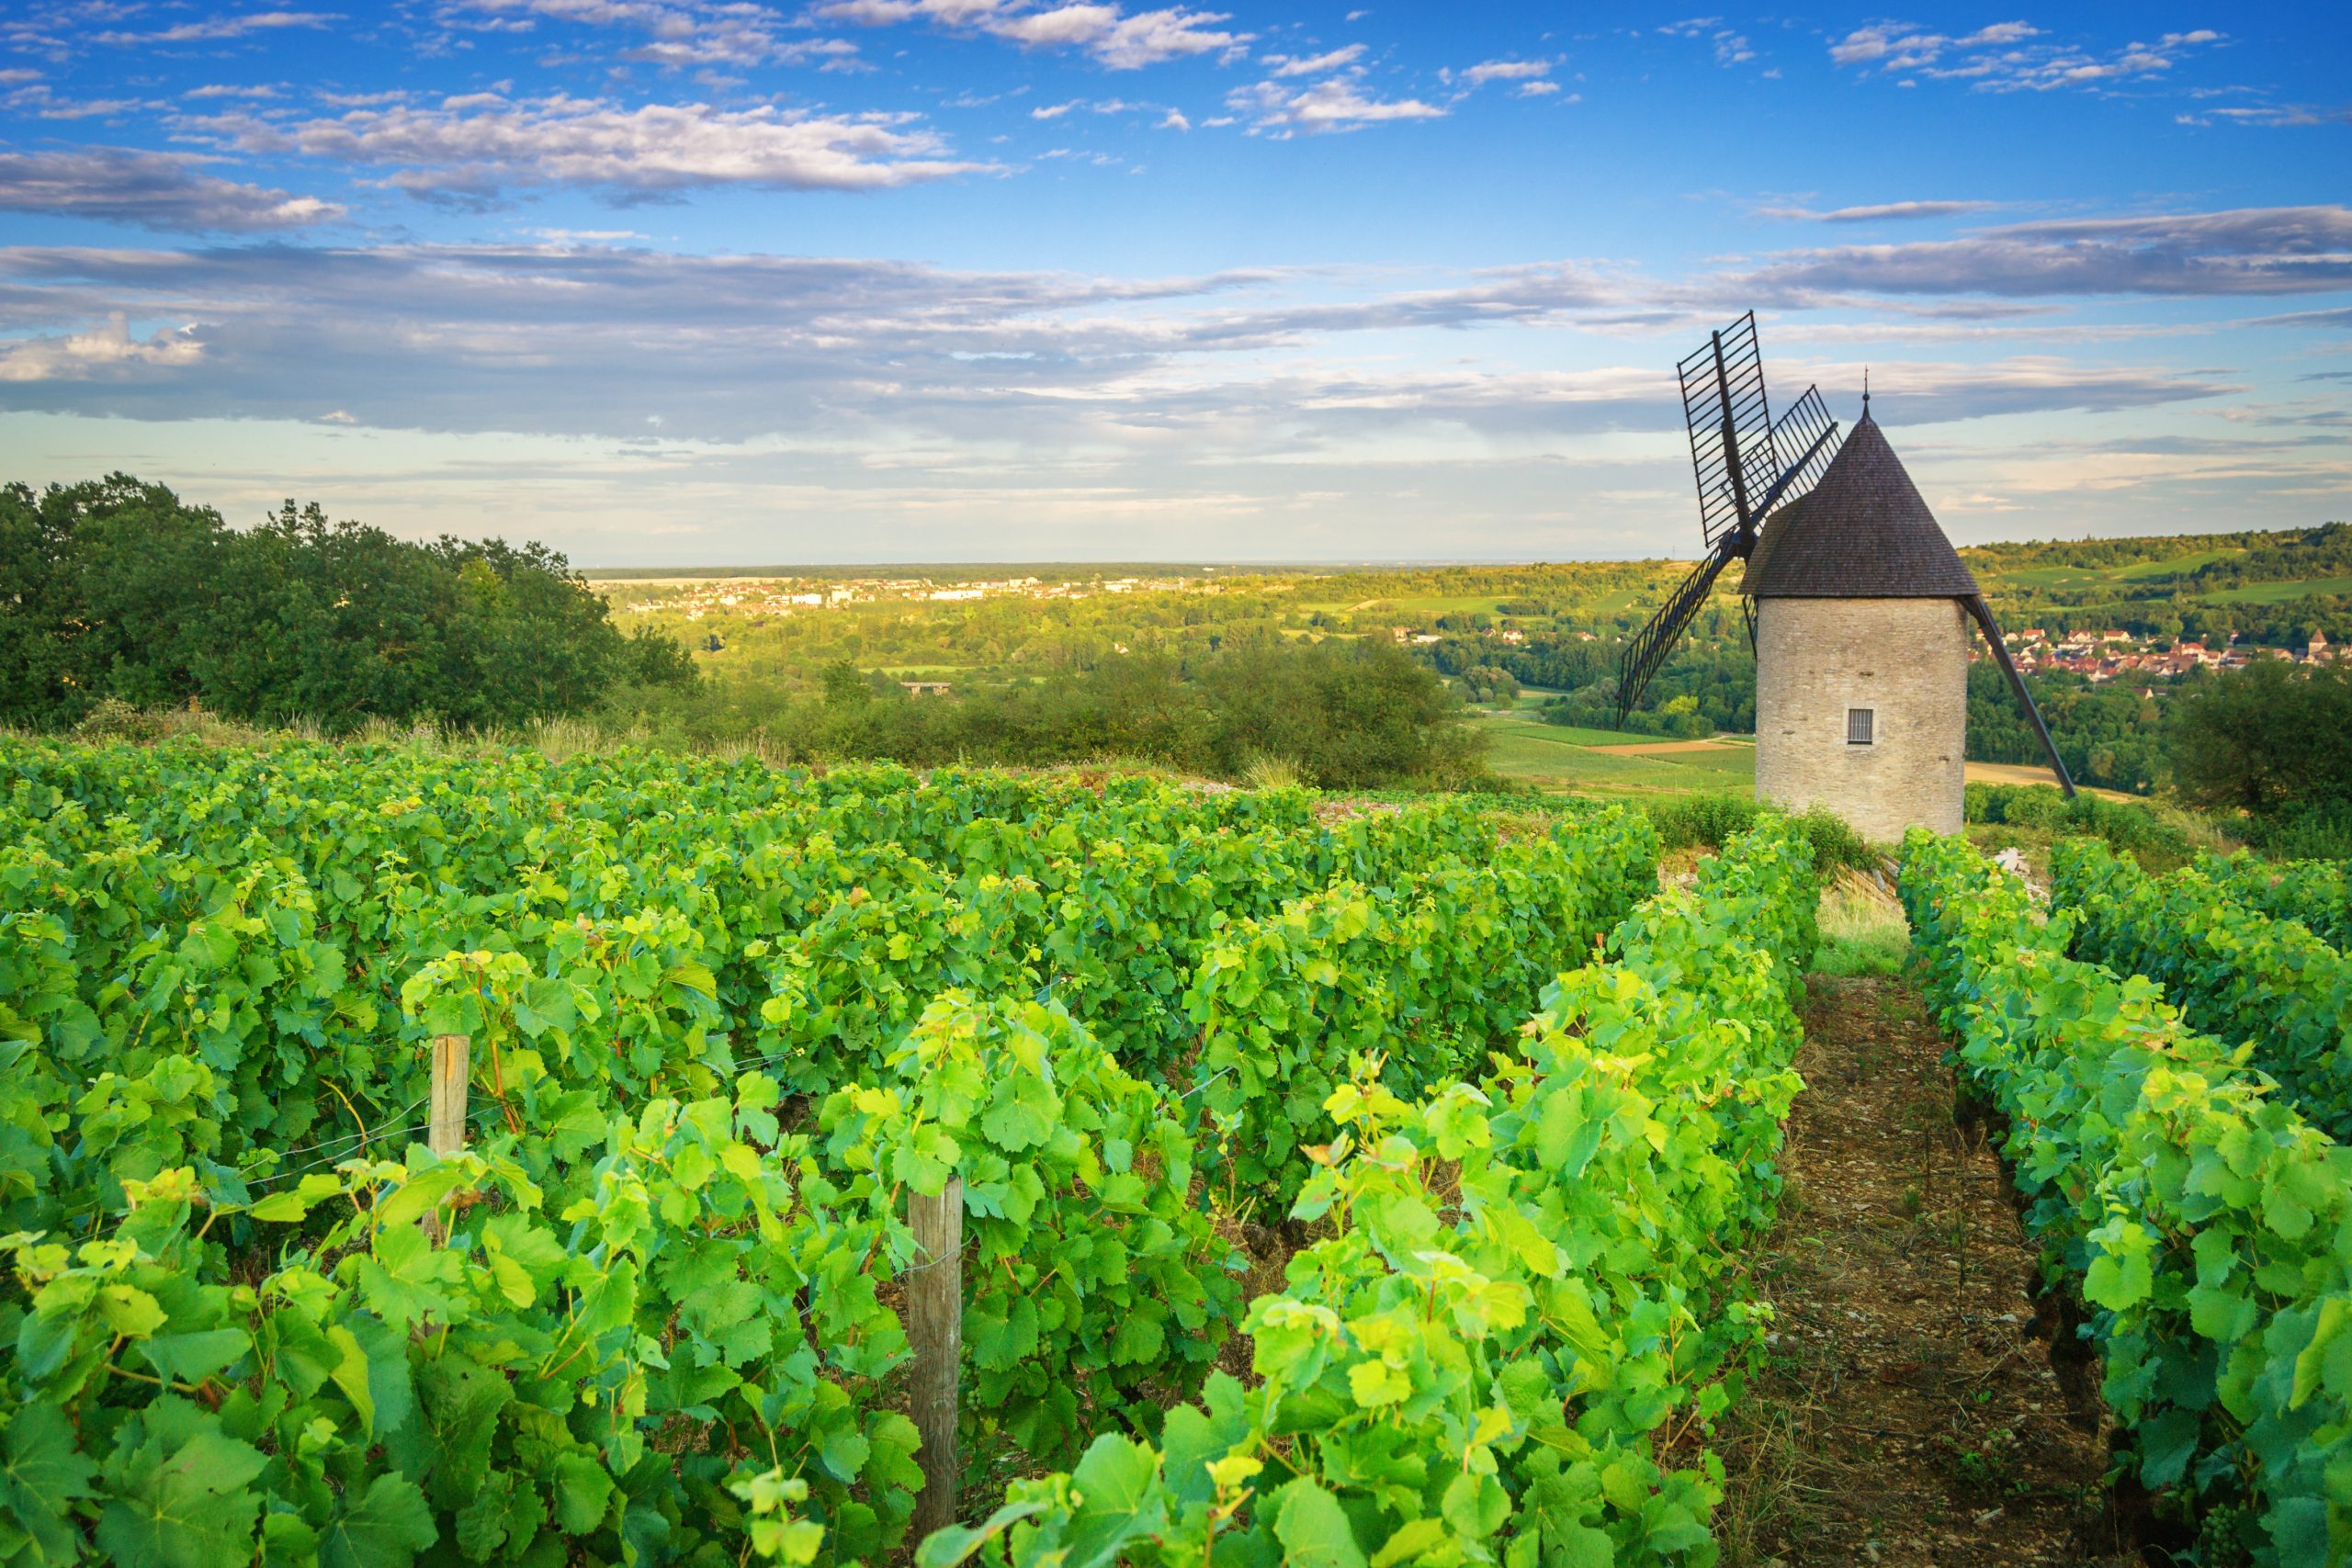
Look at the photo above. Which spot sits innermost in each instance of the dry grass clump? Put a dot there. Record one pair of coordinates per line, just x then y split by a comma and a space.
1863, 929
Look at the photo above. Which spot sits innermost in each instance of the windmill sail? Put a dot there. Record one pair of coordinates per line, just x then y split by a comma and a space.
1730, 420
1747, 466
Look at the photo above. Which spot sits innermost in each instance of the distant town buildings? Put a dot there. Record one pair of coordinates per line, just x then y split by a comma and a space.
784, 596
2098, 656
2102, 656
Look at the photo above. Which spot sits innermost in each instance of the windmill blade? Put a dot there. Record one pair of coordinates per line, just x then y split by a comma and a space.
1805, 438
1730, 421
1646, 654
1975, 604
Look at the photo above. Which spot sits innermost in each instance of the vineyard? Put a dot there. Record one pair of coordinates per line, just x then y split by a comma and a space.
1491, 1117
2183, 1186
1330, 1184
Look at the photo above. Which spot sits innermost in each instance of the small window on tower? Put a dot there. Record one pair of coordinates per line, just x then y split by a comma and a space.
1860, 725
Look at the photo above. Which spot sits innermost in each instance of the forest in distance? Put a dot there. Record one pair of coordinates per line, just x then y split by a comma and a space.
122, 594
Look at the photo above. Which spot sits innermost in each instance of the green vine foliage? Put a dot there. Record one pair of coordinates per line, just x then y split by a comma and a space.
2316, 892
1519, 1302
513, 1395
1431, 972
850, 985
2231, 970
658, 1329
1095, 1288
2203, 1218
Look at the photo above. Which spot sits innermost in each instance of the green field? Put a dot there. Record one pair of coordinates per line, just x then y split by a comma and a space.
2175, 566
1567, 761
1416, 605
2279, 592
2073, 577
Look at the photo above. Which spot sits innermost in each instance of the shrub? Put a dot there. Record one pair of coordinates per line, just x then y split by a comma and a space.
2143, 829
2314, 832
1709, 821
114, 719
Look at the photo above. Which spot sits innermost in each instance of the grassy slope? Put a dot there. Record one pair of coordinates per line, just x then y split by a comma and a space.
1557, 758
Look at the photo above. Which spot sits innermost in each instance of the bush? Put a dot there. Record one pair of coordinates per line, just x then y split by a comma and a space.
114, 589
2269, 740
114, 719
1706, 821
2124, 826
2314, 832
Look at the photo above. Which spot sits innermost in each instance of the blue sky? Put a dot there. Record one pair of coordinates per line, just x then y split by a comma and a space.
660, 281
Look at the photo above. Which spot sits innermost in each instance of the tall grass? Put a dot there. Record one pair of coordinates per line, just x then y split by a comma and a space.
1705, 821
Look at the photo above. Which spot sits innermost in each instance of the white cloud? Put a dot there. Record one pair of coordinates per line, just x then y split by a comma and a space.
1487, 70
1098, 106
1129, 43
1314, 64
2006, 57
1537, 89
2243, 251
730, 348
1115, 39
897, 409
474, 147
1732, 48
1880, 213
1336, 103
93, 354
676, 32
1175, 121
213, 28
155, 190
2269, 114
41, 102
587, 236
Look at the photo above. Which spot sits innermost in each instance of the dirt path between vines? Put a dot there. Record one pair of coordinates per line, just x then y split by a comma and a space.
1910, 1414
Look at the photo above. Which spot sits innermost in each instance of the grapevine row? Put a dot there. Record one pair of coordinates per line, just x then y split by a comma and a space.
1430, 972
2231, 970
648, 1246
2202, 1217
1517, 1308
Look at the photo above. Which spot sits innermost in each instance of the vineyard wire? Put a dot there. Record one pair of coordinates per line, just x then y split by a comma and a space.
344, 1140
330, 1159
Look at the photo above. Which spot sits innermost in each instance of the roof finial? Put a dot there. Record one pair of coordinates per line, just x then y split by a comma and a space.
1866, 391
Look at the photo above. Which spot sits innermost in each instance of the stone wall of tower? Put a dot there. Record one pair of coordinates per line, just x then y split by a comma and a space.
1905, 659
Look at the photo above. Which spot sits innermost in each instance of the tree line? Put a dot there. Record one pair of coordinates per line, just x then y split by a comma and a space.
117, 588
119, 591
2273, 740
1337, 714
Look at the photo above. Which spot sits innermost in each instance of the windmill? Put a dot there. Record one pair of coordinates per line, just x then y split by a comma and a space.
1748, 469
1862, 678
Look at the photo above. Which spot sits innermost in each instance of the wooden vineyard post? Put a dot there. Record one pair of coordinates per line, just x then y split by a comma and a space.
447, 1134
935, 1328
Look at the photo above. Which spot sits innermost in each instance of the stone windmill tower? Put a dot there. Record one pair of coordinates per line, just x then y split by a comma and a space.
1858, 607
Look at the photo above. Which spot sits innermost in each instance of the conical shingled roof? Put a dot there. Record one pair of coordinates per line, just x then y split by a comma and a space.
1861, 532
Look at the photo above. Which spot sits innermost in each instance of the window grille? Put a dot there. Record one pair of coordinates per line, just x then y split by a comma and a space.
1860, 725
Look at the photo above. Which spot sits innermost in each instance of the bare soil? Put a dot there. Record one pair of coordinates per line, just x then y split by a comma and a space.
1910, 1412
1663, 747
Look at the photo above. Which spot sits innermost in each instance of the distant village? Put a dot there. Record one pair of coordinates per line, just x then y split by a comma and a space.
784, 596
2102, 656
2096, 656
